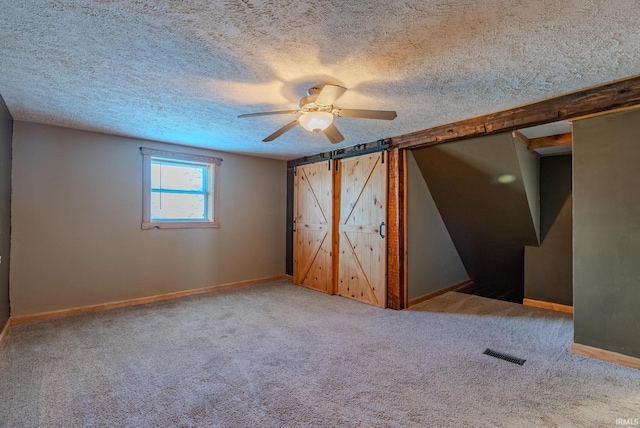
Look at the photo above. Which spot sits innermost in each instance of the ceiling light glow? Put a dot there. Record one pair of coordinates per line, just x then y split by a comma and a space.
316, 121
506, 179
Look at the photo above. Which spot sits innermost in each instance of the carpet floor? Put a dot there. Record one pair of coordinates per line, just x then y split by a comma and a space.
277, 355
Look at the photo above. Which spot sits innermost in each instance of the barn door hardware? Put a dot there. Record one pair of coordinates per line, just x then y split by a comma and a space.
333, 157
381, 145
360, 149
380, 230
294, 225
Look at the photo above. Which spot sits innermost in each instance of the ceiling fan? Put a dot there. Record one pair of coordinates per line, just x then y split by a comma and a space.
316, 113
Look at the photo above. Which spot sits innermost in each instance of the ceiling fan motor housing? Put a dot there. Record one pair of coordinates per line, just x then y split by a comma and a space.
315, 90
308, 103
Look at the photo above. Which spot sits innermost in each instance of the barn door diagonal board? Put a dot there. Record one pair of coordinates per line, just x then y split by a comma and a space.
362, 242
307, 181
362, 289
311, 256
353, 190
312, 251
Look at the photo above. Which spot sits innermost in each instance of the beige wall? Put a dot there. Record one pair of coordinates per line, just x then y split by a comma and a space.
77, 209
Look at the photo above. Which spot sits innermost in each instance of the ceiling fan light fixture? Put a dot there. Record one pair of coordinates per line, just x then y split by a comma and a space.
316, 112
316, 121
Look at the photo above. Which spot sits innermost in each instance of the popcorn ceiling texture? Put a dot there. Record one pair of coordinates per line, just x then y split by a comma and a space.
181, 70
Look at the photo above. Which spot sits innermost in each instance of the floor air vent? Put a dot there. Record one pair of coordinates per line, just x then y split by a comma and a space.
505, 357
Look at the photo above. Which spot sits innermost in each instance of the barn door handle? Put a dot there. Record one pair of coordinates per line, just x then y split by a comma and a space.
380, 230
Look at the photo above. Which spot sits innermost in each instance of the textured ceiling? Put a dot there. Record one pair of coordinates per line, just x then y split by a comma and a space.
181, 70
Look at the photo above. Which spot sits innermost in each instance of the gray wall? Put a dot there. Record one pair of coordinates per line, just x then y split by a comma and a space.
289, 249
77, 210
6, 132
433, 261
489, 222
548, 268
606, 232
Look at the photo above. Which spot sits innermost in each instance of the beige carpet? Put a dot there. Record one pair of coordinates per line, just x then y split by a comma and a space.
279, 355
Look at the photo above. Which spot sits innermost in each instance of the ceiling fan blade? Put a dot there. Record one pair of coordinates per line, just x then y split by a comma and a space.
281, 131
333, 134
329, 94
366, 114
267, 113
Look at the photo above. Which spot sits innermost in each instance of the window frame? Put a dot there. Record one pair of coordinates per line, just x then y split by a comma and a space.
212, 163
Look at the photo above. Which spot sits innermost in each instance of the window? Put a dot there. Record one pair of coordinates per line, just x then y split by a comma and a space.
179, 190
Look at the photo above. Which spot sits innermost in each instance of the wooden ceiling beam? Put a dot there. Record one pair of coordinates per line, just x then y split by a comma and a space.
550, 141
597, 99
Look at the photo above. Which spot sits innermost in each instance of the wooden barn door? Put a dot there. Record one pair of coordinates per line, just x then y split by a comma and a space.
312, 264
362, 260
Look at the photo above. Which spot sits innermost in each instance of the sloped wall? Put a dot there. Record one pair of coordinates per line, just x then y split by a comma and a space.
548, 268
606, 232
433, 261
479, 189
6, 135
530, 169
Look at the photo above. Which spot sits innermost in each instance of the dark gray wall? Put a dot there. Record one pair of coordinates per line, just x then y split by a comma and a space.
6, 135
606, 232
489, 222
548, 268
433, 261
